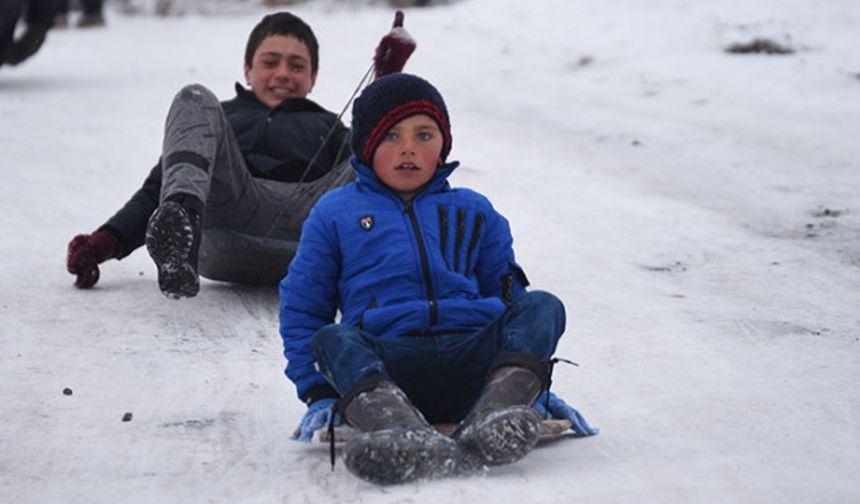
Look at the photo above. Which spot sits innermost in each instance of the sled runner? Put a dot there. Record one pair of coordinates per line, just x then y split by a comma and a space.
550, 430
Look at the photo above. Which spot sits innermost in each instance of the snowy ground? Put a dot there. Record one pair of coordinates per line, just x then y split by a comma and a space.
697, 211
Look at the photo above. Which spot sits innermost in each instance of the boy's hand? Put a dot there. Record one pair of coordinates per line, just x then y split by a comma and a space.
85, 252
394, 49
549, 405
316, 417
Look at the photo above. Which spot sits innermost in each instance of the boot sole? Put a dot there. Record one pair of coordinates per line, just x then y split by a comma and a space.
396, 456
502, 437
169, 241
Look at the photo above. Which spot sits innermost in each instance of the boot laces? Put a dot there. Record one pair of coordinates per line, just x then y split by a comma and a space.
550, 367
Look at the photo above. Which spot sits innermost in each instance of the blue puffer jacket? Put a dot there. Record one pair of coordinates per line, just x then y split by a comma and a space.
442, 264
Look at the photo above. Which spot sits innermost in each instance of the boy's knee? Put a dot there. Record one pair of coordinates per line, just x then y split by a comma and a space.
196, 93
547, 312
334, 338
546, 302
325, 337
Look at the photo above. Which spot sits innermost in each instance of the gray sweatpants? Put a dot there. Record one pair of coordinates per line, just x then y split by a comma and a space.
250, 226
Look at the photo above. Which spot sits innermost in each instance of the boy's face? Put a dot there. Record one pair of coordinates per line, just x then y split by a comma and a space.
280, 69
408, 155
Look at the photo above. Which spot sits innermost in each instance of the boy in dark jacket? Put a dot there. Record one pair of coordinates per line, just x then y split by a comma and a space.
436, 324
236, 179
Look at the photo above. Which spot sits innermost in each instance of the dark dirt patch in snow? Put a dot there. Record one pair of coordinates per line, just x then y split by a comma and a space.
758, 46
827, 220
822, 212
674, 267
192, 424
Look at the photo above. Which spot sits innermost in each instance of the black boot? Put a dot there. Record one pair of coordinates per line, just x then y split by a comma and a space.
502, 426
27, 45
91, 20
397, 444
172, 240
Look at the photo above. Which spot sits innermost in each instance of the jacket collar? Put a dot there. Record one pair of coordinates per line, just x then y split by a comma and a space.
367, 177
288, 105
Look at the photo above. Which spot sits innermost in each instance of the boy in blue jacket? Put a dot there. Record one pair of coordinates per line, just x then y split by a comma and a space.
436, 325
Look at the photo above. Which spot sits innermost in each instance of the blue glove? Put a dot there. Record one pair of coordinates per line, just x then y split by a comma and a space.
555, 407
316, 417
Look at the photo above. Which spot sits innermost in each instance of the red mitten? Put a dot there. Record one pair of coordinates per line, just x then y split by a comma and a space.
85, 252
394, 49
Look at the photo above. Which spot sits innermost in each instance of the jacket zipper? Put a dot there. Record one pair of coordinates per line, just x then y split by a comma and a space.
425, 264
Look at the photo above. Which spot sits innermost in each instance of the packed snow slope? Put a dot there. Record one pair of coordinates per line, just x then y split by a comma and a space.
697, 211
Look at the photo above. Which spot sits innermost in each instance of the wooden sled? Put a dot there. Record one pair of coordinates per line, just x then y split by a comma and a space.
550, 430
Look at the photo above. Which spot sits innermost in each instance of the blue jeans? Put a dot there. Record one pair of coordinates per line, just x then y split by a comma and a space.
442, 375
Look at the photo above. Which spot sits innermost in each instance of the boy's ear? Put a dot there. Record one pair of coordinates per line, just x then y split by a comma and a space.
313, 81
247, 71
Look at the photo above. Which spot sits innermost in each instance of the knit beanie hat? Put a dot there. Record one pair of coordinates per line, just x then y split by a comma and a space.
387, 101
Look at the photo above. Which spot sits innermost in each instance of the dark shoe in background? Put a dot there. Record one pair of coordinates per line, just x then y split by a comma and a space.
91, 21
27, 45
61, 21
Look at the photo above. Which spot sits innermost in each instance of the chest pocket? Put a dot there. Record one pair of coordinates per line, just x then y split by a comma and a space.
460, 233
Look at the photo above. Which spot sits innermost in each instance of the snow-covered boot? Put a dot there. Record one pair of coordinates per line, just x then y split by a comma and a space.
172, 240
397, 443
502, 426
